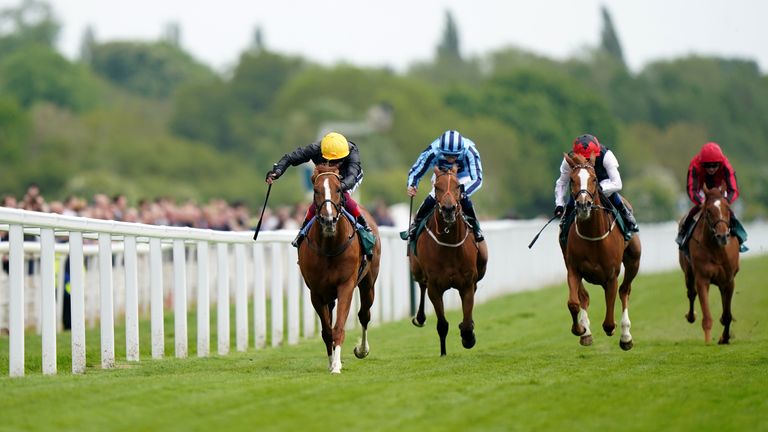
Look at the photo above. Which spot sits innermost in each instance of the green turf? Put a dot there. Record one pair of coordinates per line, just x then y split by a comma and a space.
527, 372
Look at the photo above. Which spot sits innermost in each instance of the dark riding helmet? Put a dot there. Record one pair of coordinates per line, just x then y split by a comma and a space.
586, 145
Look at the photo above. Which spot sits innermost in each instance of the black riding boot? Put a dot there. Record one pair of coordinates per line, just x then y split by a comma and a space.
469, 209
300, 236
626, 214
426, 207
564, 221
361, 220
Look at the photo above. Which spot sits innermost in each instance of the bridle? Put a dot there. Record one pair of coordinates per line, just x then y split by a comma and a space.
592, 205
456, 211
712, 225
334, 220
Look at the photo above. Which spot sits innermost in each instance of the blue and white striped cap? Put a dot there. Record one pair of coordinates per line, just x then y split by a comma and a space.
451, 143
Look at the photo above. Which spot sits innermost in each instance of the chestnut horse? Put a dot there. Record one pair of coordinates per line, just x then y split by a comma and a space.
330, 260
594, 252
713, 259
448, 257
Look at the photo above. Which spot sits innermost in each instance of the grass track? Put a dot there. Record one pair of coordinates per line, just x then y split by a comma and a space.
527, 372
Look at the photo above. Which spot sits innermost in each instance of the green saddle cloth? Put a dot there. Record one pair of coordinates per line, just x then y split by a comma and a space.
367, 240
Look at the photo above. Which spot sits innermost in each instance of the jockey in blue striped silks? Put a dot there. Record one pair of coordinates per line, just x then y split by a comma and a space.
448, 149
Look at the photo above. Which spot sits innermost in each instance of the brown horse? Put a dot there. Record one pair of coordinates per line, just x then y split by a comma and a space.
448, 257
595, 252
714, 259
330, 260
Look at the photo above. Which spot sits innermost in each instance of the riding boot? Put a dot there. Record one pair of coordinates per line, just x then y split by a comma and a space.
626, 214
565, 224
300, 236
424, 209
363, 223
469, 209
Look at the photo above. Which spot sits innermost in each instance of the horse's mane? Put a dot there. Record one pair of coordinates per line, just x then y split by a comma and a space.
320, 169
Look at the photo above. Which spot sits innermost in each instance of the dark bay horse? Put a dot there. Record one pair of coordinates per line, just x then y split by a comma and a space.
330, 260
713, 259
594, 252
447, 256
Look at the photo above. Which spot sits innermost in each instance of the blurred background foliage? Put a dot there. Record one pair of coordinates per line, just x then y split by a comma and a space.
147, 119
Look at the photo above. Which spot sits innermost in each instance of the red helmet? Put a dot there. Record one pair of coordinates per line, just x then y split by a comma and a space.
711, 152
586, 145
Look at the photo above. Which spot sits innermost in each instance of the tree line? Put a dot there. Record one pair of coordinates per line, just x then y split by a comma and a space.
147, 119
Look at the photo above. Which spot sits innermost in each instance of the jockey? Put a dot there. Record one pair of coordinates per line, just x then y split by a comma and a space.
333, 149
709, 166
607, 170
450, 148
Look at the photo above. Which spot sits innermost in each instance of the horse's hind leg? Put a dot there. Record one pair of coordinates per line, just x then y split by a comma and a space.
631, 262
726, 293
467, 327
364, 315
436, 296
420, 317
690, 316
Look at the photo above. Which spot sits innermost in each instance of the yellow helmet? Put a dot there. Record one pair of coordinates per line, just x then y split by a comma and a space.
334, 146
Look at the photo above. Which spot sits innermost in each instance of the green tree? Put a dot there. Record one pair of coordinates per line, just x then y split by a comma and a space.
609, 40
30, 23
449, 46
153, 70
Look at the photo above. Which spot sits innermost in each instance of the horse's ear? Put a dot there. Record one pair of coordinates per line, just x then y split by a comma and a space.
436, 169
454, 168
722, 187
705, 188
592, 159
568, 159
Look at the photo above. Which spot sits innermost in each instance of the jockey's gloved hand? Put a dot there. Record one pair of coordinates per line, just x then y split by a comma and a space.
559, 211
273, 174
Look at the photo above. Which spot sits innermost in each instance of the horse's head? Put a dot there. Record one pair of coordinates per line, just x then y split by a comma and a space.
447, 193
583, 184
328, 197
717, 213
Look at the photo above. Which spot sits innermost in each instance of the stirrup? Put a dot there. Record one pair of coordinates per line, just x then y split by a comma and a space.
297, 241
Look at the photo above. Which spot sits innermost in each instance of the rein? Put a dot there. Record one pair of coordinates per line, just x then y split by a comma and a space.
459, 217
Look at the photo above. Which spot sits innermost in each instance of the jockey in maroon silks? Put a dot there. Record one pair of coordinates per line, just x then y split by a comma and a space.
710, 167
333, 149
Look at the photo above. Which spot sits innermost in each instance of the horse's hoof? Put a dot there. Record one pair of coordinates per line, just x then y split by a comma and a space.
469, 341
691, 318
724, 340
416, 322
626, 346
360, 352
586, 340
609, 331
576, 332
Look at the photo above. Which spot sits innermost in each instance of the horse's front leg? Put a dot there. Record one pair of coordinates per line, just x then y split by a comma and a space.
702, 288
691, 291
579, 317
625, 342
342, 312
467, 327
436, 296
420, 317
324, 313
609, 323
726, 293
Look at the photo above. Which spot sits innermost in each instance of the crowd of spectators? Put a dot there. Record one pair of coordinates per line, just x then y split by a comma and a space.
216, 214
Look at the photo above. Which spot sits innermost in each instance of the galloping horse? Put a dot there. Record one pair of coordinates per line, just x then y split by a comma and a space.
330, 260
594, 252
448, 257
714, 258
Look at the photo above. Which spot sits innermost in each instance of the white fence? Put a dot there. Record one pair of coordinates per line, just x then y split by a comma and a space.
126, 270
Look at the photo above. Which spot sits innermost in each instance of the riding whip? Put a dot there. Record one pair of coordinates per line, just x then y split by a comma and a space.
258, 225
542, 229
410, 221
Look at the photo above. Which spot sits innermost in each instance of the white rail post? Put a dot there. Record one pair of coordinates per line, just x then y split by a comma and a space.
156, 297
241, 299
48, 309
222, 315
77, 300
259, 297
276, 299
107, 307
16, 301
131, 299
294, 291
203, 300
180, 298
308, 311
